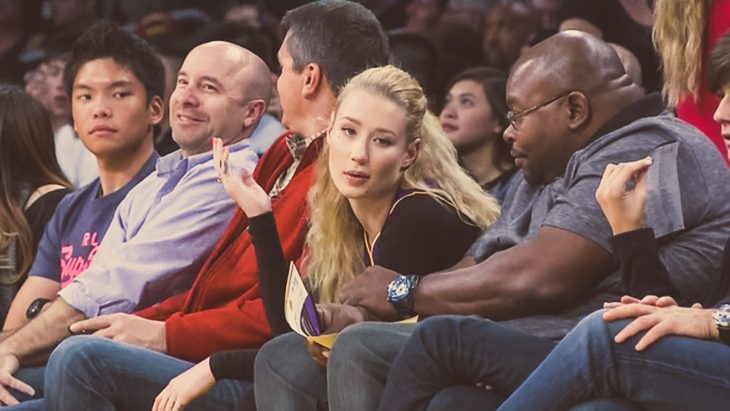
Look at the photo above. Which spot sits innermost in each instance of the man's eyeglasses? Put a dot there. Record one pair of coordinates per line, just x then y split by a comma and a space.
512, 117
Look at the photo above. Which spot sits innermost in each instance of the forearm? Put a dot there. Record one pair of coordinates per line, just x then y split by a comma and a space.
233, 364
43, 332
543, 275
478, 289
642, 271
239, 324
272, 270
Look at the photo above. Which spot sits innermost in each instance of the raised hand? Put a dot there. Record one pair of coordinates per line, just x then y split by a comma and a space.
243, 189
622, 195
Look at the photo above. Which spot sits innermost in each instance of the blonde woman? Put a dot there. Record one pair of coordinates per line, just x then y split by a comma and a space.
388, 191
684, 49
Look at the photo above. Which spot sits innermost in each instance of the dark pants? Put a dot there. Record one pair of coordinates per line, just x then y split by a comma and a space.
674, 373
459, 363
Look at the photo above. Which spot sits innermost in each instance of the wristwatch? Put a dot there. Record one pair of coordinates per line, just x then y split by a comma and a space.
721, 318
400, 293
35, 307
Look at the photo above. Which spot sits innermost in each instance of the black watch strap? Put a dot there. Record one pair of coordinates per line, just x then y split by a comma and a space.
36, 307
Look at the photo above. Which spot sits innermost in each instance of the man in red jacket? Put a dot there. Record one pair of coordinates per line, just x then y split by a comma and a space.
325, 44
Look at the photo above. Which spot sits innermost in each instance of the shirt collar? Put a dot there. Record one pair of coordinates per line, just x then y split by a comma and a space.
648, 106
170, 162
298, 144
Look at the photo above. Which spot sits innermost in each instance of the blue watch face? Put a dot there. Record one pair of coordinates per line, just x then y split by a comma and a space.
721, 316
398, 289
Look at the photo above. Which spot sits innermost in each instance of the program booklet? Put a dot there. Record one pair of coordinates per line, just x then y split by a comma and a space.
301, 312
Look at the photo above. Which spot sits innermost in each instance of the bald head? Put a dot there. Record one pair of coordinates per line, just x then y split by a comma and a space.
222, 90
249, 73
562, 91
572, 60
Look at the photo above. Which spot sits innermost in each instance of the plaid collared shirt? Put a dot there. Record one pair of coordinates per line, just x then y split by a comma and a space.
297, 146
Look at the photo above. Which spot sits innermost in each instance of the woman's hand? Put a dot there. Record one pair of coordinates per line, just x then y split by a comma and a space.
333, 318
186, 387
622, 195
662, 321
252, 199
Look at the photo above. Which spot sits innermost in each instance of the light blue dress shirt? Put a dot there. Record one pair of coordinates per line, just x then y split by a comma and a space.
160, 235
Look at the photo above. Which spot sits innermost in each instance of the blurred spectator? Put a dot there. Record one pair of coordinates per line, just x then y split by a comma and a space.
172, 48
246, 12
684, 50
629, 61
510, 26
45, 84
547, 15
18, 20
458, 47
469, 13
474, 118
423, 15
31, 186
627, 23
418, 56
67, 20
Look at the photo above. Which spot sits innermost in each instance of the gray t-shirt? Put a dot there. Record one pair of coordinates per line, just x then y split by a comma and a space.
691, 249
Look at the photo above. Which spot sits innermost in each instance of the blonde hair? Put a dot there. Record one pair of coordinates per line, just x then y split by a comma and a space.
679, 28
335, 235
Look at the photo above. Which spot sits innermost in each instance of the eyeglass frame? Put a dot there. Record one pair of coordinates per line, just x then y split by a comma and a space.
512, 117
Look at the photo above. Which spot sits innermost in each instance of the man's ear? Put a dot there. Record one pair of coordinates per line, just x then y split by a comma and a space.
579, 110
312, 79
255, 109
156, 109
412, 150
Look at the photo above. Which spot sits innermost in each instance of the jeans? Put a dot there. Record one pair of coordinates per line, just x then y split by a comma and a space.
91, 373
677, 373
453, 362
31, 405
286, 377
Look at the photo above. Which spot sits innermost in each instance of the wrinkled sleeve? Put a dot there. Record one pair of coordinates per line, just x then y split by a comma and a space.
135, 270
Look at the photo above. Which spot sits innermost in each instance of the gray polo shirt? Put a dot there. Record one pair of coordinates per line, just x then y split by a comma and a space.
688, 206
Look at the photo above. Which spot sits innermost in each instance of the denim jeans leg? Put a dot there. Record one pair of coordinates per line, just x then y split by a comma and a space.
30, 405
286, 378
98, 374
673, 373
358, 366
607, 404
463, 397
449, 351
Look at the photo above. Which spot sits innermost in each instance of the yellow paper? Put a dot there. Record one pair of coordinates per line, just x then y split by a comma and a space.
328, 340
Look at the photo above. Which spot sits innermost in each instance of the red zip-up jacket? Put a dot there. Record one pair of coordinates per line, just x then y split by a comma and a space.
223, 310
